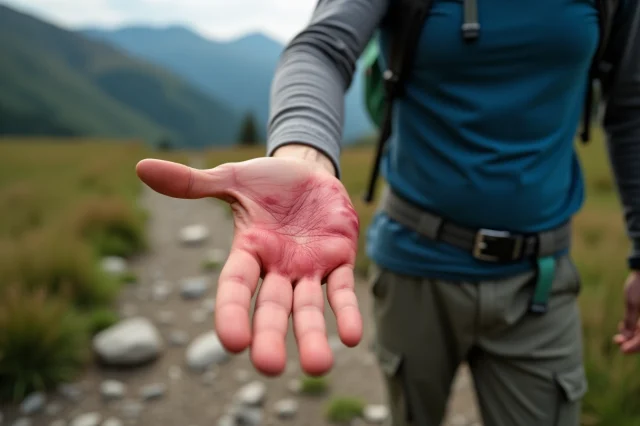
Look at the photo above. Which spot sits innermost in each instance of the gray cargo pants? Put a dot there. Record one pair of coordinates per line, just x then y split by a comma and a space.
527, 369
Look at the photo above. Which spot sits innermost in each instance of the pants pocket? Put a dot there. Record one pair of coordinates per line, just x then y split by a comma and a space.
572, 386
398, 391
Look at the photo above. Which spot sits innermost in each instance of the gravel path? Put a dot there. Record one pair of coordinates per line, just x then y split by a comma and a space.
182, 397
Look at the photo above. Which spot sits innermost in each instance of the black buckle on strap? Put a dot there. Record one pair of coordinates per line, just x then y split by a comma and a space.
497, 246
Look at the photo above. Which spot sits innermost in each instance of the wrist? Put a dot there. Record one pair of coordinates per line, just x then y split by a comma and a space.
307, 153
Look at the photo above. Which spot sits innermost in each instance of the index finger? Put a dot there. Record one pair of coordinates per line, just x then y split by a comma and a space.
237, 284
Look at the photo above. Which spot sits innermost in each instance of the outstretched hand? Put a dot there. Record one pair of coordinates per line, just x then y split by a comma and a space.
296, 228
628, 337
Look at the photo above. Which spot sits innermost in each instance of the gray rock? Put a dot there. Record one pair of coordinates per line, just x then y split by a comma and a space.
227, 420
252, 394
52, 409
114, 265
194, 234
132, 409
161, 291
88, 419
199, 316
112, 389
205, 351
375, 413
153, 391
249, 416
22, 421
286, 408
129, 342
178, 338
70, 391
194, 287
112, 421
33, 403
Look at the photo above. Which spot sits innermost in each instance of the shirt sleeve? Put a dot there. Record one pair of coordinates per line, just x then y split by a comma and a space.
314, 73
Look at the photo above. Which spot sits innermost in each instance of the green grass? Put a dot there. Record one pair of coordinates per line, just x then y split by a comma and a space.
600, 249
314, 385
63, 206
344, 409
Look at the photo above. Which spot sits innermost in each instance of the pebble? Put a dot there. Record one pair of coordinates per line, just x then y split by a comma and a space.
205, 351
52, 409
166, 317
70, 391
88, 419
33, 403
194, 234
114, 265
112, 389
252, 394
178, 338
175, 372
249, 416
375, 413
286, 408
161, 291
132, 409
153, 391
128, 342
112, 421
194, 287
209, 377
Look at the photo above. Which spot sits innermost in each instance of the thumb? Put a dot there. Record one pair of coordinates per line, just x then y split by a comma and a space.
180, 181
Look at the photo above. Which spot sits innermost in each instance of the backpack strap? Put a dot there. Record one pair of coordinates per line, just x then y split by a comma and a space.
404, 19
607, 11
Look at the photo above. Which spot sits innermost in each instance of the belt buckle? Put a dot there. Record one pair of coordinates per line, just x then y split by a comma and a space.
487, 238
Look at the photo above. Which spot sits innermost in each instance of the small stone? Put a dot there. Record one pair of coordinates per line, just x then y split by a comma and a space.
161, 291
88, 419
132, 409
375, 413
114, 265
209, 377
23, 421
166, 317
153, 391
249, 416
128, 342
286, 408
70, 391
227, 420
194, 234
112, 421
194, 288
242, 376
252, 394
294, 386
209, 305
199, 316
178, 338
175, 372
33, 403
205, 351
58, 422
52, 409
112, 389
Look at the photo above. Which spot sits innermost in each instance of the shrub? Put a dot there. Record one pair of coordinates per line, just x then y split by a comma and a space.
101, 319
42, 341
344, 409
314, 385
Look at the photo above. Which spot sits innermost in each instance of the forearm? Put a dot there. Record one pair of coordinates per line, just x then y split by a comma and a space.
313, 75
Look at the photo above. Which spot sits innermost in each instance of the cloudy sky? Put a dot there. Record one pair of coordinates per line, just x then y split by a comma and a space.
222, 19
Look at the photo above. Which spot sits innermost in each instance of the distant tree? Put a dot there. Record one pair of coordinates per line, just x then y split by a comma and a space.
249, 131
165, 144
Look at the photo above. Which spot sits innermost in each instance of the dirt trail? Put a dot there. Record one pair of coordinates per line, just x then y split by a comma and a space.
196, 399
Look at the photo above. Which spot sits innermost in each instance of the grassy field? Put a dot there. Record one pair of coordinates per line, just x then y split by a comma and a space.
64, 206
600, 249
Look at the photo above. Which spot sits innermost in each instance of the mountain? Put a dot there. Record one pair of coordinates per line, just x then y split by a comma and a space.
57, 82
239, 72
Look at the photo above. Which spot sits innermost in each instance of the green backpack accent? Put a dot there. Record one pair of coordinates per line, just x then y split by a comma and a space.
373, 82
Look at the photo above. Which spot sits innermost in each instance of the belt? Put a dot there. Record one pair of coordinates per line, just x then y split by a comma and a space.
489, 245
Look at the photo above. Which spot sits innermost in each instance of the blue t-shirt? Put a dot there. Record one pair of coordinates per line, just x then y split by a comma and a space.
485, 133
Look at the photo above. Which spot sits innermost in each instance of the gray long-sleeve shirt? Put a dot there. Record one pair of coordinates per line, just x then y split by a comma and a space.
318, 65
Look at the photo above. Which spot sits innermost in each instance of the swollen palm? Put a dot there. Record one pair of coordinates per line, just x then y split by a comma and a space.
296, 228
